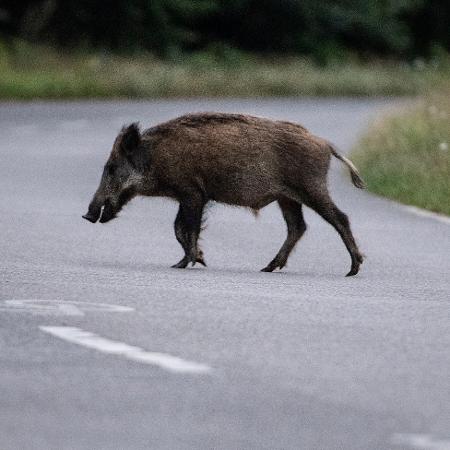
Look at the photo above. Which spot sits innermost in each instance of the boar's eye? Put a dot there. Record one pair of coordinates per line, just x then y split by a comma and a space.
110, 169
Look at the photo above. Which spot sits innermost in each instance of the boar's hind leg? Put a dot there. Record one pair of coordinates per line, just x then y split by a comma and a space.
181, 235
187, 230
296, 226
326, 208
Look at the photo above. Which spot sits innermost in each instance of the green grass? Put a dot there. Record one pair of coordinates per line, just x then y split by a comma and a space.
29, 72
406, 157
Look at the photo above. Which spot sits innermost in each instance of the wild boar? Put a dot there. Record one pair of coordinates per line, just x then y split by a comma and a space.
228, 158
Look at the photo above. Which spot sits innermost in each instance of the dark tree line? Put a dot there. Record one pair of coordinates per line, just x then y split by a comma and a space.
399, 28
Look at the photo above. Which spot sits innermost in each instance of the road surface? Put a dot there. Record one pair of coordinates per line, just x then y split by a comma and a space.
103, 346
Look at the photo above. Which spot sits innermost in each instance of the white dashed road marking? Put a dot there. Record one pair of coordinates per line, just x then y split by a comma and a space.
58, 307
87, 339
421, 441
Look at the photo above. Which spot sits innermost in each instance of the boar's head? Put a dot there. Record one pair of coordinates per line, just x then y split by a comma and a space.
121, 178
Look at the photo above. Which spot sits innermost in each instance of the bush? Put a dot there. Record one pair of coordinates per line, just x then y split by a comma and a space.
30, 71
399, 28
406, 156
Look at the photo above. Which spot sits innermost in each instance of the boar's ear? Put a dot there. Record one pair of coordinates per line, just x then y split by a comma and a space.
130, 139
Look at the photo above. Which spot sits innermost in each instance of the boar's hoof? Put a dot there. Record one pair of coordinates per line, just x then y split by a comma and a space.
356, 263
185, 261
353, 271
91, 217
181, 264
200, 258
272, 266
201, 261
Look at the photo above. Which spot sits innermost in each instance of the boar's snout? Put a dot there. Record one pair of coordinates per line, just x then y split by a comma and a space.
106, 210
93, 213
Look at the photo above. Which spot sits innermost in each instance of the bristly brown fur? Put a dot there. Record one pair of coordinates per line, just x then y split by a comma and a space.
235, 159
199, 120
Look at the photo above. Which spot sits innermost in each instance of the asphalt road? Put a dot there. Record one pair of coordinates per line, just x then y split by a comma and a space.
300, 359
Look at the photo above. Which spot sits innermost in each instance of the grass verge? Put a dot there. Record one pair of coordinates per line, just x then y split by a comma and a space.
406, 157
30, 72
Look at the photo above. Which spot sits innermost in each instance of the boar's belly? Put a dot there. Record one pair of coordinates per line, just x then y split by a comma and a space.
251, 193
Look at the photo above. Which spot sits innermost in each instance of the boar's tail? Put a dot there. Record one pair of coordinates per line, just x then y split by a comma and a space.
356, 177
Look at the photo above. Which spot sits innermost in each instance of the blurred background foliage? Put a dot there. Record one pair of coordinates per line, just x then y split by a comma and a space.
323, 30
173, 48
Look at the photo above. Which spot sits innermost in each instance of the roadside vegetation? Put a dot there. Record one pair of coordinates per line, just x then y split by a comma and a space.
406, 156
30, 71
181, 48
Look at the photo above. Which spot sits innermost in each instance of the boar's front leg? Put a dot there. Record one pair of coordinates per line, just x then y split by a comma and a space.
181, 234
187, 230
